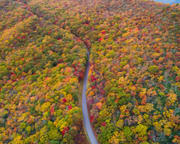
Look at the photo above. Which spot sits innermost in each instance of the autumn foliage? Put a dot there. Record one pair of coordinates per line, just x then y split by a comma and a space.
133, 82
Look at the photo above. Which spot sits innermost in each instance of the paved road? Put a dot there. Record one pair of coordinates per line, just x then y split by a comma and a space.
86, 120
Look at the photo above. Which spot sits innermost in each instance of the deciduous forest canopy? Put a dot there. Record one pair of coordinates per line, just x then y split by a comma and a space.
133, 88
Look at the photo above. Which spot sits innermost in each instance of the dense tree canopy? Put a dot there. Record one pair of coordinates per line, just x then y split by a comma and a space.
134, 78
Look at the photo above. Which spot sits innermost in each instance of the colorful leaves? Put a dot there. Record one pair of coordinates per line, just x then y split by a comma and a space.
103, 124
153, 69
52, 110
134, 80
100, 39
3, 70
45, 106
99, 105
120, 123
93, 78
91, 119
3, 113
68, 70
141, 130
103, 32
172, 97
64, 100
81, 75
65, 130
69, 107
127, 132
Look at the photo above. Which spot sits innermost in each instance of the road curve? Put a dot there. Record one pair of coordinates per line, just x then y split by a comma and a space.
86, 120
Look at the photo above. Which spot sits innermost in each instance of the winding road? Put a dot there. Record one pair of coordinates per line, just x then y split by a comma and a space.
89, 131
86, 120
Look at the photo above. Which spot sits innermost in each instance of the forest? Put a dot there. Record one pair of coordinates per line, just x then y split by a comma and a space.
133, 82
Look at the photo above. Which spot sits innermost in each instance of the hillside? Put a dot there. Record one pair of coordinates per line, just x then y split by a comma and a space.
133, 88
